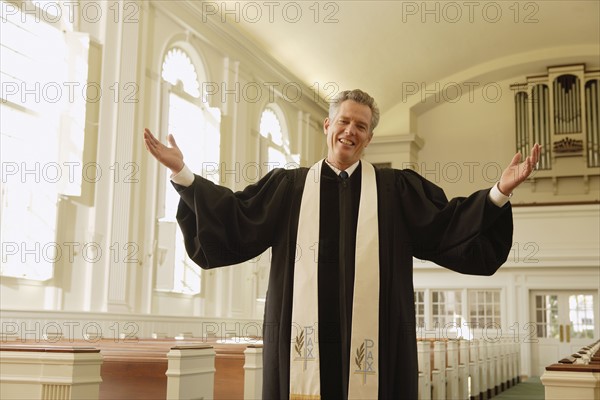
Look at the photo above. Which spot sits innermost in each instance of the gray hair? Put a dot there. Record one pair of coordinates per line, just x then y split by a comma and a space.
358, 96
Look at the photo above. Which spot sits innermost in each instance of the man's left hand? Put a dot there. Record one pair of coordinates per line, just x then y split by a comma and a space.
518, 171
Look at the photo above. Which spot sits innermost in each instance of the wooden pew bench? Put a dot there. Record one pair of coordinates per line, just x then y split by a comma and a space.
58, 372
128, 356
229, 373
462, 369
574, 377
140, 369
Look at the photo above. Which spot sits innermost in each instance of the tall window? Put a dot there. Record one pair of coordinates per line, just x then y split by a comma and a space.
274, 153
43, 69
195, 127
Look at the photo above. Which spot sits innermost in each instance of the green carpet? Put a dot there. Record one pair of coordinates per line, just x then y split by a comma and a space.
531, 389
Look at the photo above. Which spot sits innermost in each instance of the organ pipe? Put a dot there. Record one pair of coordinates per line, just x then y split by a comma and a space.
592, 101
561, 111
567, 104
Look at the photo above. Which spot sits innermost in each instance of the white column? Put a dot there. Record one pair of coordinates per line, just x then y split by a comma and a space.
191, 372
253, 372
120, 247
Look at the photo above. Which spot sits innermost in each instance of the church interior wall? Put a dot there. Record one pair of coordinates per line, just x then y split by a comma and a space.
85, 286
556, 235
479, 133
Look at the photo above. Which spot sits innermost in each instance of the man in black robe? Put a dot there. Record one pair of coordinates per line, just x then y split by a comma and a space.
470, 235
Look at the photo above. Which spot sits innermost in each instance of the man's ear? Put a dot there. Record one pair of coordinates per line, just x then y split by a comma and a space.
326, 125
370, 138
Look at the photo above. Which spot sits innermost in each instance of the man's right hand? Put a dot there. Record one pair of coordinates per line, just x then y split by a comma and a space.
171, 157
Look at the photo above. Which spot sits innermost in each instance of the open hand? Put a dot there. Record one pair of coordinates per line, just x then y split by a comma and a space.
171, 157
518, 171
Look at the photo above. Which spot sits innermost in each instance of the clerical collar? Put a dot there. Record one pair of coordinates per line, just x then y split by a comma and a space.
349, 170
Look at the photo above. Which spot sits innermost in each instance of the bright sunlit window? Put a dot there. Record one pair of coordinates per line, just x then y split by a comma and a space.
276, 144
275, 153
195, 127
42, 63
178, 67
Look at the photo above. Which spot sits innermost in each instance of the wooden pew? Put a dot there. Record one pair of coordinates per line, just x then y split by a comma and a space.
138, 368
143, 369
463, 369
424, 361
133, 370
574, 377
228, 362
474, 370
442, 370
156, 369
35, 372
438, 373
230, 359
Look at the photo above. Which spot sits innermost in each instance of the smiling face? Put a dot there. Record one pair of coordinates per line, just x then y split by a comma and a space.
348, 133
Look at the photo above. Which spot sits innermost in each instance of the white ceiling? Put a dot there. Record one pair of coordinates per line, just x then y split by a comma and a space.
378, 45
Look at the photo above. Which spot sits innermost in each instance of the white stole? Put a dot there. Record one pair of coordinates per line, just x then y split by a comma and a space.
364, 349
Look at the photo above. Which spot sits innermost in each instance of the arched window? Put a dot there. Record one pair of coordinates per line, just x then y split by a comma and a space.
195, 127
275, 152
177, 67
275, 146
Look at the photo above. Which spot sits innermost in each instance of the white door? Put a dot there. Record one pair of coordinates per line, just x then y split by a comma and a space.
565, 321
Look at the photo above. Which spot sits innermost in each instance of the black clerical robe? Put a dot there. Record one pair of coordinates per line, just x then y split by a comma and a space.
468, 235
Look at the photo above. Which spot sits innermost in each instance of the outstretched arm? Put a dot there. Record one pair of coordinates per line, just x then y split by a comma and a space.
169, 156
518, 171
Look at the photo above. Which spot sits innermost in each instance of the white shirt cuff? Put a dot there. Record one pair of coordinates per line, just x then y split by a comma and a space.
497, 197
185, 177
